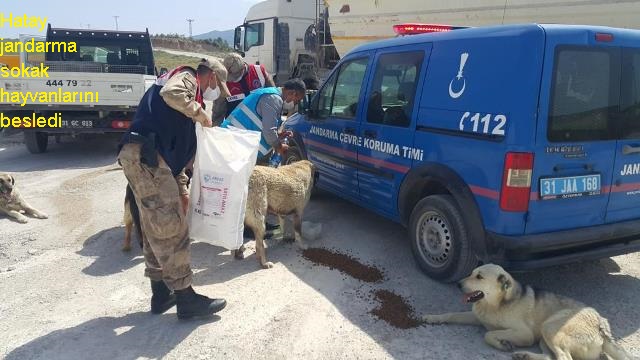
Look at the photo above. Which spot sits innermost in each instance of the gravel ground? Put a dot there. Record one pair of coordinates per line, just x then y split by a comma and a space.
70, 293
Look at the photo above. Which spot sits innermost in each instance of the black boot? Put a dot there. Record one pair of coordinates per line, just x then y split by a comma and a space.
162, 299
191, 305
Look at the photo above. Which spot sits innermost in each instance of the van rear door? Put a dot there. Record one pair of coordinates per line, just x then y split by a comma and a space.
576, 139
624, 201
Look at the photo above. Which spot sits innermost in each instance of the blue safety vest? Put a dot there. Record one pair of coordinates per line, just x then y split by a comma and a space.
245, 116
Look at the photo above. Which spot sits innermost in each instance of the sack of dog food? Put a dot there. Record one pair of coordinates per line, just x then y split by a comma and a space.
224, 161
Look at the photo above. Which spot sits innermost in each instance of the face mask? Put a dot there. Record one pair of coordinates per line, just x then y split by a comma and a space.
211, 94
289, 104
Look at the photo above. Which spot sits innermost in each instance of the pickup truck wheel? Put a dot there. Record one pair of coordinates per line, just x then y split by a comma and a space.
36, 141
439, 239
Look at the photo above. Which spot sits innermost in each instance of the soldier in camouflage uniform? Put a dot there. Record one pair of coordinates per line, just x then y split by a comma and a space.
154, 153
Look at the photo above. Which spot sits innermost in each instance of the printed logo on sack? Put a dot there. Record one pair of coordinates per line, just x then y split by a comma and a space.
214, 194
213, 180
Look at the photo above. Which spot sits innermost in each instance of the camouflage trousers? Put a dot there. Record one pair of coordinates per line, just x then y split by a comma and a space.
167, 251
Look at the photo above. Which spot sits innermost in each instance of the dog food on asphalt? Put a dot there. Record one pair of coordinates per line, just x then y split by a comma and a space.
344, 263
395, 310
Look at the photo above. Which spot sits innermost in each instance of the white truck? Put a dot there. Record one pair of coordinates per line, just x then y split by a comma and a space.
283, 35
95, 89
296, 38
356, 21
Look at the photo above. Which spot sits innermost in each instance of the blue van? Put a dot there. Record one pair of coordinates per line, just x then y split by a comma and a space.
515, 144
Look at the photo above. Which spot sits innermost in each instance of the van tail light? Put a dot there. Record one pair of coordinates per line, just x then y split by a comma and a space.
604, 37
412, 29
516, 183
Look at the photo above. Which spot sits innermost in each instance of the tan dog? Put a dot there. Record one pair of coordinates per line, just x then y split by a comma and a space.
516, 315
131, 219
281, 191
12, 204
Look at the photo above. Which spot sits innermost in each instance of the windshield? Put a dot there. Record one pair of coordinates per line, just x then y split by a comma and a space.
254, 35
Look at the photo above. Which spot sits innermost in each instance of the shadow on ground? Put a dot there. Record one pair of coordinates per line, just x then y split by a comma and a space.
216, 262
129, 337
106, 249
375, 240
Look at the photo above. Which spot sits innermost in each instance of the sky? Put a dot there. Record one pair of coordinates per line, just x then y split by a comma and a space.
160, 16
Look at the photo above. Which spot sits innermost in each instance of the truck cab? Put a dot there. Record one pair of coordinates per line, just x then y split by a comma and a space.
513, 144
281, 35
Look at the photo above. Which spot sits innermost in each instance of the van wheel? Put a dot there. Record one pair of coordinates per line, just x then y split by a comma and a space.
293, 154
36, 141
439, 239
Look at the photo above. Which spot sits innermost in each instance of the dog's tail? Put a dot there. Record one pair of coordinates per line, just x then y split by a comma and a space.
135, 212
610, 347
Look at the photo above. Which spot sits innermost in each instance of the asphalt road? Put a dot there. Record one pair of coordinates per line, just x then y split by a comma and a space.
69, 292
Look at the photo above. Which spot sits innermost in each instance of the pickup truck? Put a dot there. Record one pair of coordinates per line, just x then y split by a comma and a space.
94, 89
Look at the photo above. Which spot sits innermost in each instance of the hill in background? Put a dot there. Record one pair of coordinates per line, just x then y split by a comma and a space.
216, 47
183, 43
226, 35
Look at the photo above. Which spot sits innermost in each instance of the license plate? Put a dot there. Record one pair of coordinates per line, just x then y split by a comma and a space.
75, 124
570, 186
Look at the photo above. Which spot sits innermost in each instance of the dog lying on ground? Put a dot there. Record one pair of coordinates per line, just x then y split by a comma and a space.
131, 219
518, 316
12, 203
280, 191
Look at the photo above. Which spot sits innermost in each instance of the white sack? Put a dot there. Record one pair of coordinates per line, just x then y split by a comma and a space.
224, 161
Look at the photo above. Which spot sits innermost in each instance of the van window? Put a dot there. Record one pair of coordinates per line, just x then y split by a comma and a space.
394, 88
325, 96
630, 119
347, 92
585, 94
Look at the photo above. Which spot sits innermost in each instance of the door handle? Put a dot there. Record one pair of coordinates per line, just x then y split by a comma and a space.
628, 150
370, 134
349, 131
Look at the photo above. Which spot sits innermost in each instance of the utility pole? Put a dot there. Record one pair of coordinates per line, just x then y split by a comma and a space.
190, 29
116, 17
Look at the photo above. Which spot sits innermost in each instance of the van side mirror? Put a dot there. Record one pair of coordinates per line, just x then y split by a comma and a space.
309, 106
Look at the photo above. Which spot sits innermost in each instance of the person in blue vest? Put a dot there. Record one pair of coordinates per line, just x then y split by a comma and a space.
262, 111
154, 154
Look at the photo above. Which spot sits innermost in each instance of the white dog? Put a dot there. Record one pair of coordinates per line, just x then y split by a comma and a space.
518, 316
